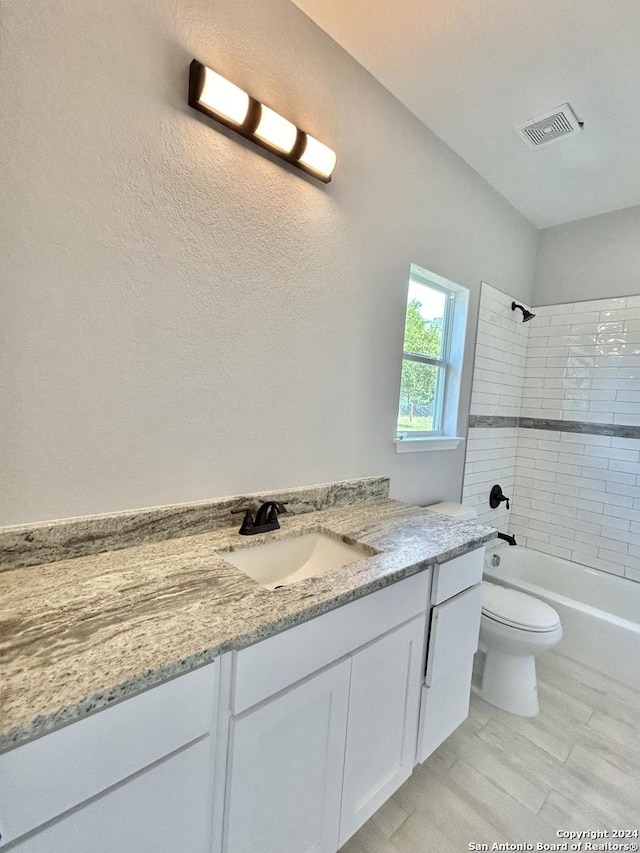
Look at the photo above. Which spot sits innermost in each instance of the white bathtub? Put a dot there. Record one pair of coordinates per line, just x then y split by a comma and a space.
600, 613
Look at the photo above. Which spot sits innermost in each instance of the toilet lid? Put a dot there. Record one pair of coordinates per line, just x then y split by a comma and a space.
517, 609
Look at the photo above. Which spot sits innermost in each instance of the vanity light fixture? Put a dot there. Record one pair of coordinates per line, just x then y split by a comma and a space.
215, 96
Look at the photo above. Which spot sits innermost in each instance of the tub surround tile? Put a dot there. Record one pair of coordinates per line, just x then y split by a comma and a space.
582, 427
628, 431
494, 421
64, 539
573, 468
83, 633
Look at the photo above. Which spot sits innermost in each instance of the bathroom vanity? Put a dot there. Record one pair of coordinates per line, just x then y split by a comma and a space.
287, 735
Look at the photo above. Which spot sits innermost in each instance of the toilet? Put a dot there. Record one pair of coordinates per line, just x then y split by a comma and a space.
514, 628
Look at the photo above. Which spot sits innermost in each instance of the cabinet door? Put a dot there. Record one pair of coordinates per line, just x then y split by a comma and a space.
454, 633
383, 722
160, 810
453, 641
285, 769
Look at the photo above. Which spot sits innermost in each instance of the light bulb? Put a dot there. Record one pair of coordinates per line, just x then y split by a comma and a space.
224, 98
276, 130
318, 157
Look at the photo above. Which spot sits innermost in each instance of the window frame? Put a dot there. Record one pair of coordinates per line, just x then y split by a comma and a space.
424, 278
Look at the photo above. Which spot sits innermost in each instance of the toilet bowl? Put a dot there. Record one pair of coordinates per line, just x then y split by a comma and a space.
514, 628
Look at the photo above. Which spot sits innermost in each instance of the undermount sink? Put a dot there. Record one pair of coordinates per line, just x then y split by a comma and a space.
276, 564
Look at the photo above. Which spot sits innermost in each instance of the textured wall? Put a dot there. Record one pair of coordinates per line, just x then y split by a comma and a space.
183, 317
589, 259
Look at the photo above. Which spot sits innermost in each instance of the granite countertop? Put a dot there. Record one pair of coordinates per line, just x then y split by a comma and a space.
82, 633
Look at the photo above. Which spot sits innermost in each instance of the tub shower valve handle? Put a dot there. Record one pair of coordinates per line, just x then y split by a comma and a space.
496, 497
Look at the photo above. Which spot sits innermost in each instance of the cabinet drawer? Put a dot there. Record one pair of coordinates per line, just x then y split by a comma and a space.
454, 633
452, 577
164, 809
268, 667
44, 778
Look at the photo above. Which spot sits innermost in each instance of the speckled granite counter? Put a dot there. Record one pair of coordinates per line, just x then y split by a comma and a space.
79, 634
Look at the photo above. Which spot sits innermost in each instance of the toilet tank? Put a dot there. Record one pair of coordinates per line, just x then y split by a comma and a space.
462, 512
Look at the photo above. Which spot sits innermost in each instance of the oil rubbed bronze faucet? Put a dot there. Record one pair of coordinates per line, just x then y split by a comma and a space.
266, 518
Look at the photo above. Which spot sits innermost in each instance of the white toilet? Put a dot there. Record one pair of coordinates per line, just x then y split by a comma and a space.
514, 628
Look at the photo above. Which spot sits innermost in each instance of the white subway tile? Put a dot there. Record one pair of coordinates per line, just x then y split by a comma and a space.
620, 512
586, 439
625, 467
604, 566
614, 453
617, 523
622, 489
628, 420
600, 305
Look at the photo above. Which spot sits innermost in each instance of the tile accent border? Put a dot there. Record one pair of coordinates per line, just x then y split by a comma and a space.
584, 427
494, 421
64, 539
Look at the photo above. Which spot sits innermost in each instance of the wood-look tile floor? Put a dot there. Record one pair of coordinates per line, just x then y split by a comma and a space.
502, 778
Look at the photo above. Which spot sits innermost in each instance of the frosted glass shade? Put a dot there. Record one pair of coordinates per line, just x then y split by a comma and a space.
276, 130
224, 98
318, 157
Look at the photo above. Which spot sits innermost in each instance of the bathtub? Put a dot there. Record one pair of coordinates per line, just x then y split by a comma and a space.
600, 613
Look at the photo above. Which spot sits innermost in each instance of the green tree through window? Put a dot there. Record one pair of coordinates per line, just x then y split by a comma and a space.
424, 362
418, 386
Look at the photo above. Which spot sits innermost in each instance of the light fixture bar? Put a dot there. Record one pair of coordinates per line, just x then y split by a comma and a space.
218, 98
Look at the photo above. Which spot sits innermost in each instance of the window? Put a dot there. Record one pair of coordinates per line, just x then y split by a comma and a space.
432, 357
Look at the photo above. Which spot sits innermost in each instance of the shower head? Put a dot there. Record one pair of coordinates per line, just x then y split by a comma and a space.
526, 315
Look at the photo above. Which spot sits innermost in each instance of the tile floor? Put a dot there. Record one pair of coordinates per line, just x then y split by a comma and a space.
502, 778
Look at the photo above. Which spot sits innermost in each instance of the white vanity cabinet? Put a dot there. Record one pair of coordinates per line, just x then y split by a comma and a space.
384, 703
285, 769
456, 594
290, 744
137, 776
311, 761
161, 810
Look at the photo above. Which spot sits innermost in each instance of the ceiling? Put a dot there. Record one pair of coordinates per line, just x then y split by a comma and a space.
472, 69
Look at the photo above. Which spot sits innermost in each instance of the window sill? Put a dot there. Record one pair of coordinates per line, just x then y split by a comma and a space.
419, 445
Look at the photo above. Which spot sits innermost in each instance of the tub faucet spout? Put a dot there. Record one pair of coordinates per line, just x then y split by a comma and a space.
510, 539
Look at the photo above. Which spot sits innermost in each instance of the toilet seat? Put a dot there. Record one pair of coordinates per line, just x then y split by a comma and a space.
517, 609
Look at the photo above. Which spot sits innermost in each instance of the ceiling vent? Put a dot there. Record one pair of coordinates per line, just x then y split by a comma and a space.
550, 127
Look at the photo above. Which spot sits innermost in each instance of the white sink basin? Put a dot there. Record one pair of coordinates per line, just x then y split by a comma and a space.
276, 564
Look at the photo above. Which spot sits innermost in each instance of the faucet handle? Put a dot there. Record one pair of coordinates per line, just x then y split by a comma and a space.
277, 508
247, 521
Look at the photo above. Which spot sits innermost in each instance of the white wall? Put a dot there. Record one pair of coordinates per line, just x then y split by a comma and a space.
183, 317
589, 259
